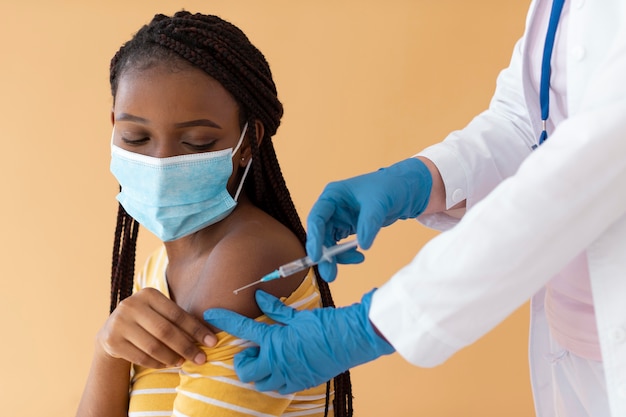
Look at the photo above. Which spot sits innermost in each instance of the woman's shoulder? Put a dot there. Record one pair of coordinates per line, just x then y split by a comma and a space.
254, 247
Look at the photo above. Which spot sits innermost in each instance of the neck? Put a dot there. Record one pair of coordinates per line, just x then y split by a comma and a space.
202, 242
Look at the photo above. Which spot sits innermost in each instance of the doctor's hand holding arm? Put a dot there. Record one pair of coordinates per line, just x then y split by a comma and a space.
306, 348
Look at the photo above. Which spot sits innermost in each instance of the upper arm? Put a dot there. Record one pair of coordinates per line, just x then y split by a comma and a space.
241, 259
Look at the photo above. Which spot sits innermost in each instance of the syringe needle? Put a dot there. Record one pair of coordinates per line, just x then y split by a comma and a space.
272, 275
301, 264
247, 286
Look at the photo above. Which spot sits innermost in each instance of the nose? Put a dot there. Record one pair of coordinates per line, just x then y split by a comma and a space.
163, 149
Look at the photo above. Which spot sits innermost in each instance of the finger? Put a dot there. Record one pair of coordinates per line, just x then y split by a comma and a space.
273, 308
272, 383
143, 348
289, 388
186, 322
320, 214
137, 321
137, 356
236, 324
163, 340
250, 368
369, 223
327, 270
350, 257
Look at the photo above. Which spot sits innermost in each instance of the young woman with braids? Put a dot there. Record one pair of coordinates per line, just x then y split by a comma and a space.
194, 111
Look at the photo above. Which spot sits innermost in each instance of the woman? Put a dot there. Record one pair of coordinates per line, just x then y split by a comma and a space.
194, 111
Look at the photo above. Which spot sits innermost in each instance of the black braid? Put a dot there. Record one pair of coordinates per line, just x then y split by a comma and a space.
124, 246
224, 52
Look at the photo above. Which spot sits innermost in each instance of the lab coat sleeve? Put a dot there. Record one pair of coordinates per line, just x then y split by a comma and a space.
564, 196
489, 149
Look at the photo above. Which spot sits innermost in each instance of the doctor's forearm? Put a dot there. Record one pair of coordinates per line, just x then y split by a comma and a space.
437, 201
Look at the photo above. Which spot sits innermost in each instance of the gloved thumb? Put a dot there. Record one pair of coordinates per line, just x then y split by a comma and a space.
273, 308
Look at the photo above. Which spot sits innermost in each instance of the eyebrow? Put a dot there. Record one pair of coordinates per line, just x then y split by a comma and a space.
199, 122
126, 117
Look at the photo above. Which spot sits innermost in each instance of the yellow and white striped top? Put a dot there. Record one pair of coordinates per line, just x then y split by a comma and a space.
213, 389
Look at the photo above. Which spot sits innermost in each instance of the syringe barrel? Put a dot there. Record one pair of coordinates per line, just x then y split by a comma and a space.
296, 266
330, 252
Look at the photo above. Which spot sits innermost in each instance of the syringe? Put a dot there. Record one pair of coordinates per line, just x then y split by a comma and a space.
303, 263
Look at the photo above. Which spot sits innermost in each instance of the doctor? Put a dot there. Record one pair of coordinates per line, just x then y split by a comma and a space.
541, 179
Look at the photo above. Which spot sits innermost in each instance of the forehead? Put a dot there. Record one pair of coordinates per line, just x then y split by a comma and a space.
173, 92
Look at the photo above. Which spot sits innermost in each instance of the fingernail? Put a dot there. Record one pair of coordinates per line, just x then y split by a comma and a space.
209, 340
180, 362
199, 359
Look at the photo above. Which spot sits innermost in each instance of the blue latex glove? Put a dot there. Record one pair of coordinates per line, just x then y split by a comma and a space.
306, 349
363, 205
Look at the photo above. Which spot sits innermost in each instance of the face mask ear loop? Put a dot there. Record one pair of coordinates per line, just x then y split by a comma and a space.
245, 174
243, 133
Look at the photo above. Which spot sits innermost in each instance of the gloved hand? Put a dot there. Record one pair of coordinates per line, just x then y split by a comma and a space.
306, 349
363, 205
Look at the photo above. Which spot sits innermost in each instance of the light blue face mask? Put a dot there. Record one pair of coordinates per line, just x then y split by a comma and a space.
176, 196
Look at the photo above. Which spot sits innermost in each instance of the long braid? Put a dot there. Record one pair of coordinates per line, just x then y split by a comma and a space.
225, 53
123, 268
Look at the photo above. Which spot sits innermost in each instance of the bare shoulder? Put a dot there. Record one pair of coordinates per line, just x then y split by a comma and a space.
256, 246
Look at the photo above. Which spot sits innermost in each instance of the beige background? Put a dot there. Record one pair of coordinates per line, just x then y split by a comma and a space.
364, 84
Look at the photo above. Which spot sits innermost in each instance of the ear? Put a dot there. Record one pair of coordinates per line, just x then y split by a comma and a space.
112, 118
246, 152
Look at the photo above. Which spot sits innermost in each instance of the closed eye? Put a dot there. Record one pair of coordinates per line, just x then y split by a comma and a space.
203, 147
135, 142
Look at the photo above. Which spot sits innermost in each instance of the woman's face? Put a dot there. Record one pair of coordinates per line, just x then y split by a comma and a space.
160, 112
163, 112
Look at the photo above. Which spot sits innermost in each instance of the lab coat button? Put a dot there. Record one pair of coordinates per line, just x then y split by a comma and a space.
458, 195
578, 52
579, 4
618, 335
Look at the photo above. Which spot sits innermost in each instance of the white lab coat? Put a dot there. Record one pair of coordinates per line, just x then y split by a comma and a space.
528, 213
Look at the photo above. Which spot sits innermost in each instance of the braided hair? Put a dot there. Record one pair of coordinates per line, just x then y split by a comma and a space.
225, 53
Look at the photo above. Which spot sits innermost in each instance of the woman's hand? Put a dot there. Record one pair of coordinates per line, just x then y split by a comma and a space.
150, 330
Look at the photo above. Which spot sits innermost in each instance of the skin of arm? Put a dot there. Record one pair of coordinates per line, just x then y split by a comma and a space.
437, 201
99, 399
255, 245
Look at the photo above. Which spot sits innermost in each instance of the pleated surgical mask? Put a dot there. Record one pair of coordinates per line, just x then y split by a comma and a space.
176, 196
